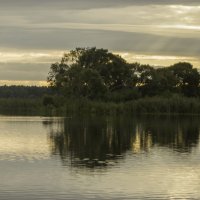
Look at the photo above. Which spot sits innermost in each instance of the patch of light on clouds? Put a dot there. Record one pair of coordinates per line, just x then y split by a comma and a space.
158, 60
184, 8
49, 57
25, 83
30, 57
183, 27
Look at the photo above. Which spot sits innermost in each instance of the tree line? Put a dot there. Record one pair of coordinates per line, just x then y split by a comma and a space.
97, 74
27, 92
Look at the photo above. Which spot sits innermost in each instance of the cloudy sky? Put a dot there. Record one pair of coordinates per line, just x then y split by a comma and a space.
36, 33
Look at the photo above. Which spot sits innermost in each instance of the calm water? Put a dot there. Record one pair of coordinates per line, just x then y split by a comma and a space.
99, 158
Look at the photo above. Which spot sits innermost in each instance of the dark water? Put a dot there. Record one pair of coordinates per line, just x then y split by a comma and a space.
99, 158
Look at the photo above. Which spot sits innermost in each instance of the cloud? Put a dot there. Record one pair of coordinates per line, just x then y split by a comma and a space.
17, 14
30, 57
34, 33
159, 60
132, 28
87, 4
134, 15
20, 71
65, 39
27, 65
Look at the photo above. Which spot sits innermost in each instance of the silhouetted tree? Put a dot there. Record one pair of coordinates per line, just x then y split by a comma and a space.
91, 73
98, 74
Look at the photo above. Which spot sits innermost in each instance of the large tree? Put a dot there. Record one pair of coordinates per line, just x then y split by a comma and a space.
91, 72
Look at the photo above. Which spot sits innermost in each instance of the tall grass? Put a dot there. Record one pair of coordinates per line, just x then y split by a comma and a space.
148, 105
21, 106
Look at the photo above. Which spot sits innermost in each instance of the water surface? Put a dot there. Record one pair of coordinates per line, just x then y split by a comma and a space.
99, 158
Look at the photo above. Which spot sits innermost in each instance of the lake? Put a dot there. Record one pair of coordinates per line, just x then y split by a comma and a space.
90, 157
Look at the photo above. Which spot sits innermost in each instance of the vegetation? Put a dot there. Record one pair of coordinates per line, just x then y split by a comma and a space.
97, 81
23, 100
92, 73
20, 106
97, 74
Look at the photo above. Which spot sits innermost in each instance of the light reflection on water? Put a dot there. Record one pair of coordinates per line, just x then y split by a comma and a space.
99, 158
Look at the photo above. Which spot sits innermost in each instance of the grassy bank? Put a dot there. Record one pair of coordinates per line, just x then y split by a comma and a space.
21, 106
149, 105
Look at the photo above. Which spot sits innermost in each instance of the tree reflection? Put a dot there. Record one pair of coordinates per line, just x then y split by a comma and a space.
102, 141
92, 141
178, 133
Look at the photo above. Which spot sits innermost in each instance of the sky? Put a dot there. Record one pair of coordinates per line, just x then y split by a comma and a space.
36, 33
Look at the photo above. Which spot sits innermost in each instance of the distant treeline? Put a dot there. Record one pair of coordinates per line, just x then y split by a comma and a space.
24, 92
23, 100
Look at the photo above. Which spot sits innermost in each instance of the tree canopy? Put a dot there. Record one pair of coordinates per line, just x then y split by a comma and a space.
99, 74
91, 72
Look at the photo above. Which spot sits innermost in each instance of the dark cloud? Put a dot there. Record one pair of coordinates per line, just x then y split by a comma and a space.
87, 4
65, 39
